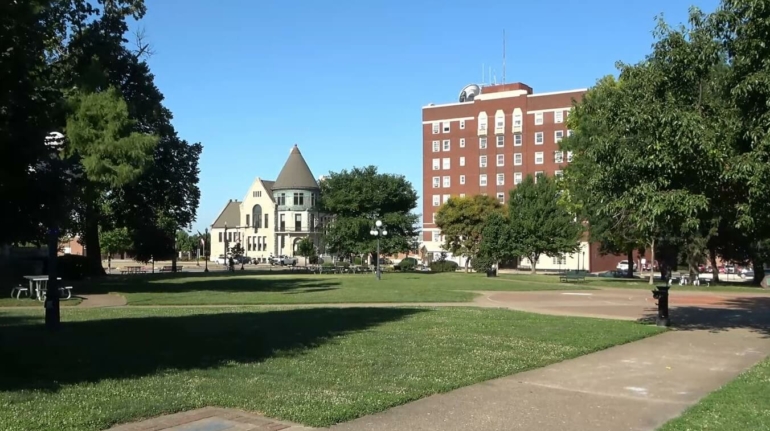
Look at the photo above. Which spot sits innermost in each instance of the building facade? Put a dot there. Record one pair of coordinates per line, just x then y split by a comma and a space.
488, 142
273, 216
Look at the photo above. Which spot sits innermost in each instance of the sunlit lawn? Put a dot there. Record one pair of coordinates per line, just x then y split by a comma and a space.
312, 366
263, 288
742, 405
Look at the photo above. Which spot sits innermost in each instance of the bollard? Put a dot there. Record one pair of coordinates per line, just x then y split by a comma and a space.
661, 294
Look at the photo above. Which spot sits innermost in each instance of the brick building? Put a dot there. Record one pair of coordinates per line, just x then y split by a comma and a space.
486, 143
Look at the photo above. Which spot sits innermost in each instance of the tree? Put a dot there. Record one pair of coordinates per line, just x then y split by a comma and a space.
115, 241
185, 242
539, 223
238, 252
497, 242
306, 248
461, 221
355, 199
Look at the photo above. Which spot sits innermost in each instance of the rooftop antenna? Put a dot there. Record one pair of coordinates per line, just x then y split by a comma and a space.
482, 75
503, 56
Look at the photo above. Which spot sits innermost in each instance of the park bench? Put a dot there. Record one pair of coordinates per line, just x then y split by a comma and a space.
18, 290
65, 292
169, 268
132, 270
570, 278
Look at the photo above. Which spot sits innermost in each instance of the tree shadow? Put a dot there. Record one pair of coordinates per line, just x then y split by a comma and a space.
93, 350
752, 313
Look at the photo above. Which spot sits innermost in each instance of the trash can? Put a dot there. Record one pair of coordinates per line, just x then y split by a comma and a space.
492, 272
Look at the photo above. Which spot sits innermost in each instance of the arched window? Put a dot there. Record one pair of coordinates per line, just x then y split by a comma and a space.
256, 215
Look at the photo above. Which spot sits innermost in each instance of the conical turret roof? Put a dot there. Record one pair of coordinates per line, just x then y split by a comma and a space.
295, 174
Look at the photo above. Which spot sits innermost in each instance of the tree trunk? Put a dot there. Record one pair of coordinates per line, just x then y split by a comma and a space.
109, 262
93, 248
714, 268
533, 261
759, 270
652, 262
630, 257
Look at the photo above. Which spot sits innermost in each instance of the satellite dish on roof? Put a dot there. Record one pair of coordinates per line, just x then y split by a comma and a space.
469, 93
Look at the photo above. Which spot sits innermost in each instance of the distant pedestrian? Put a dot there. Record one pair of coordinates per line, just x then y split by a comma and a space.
232, 264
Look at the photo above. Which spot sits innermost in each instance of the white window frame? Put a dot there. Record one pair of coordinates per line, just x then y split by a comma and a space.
462, 195
517, 178
501, 197
462, 179
537, 174
518, 140
483, 143
436, 182
462, 142
518, 159
483, 123
436, 164
447, 182
517, 120
483, 161
558, 117
446, 163
558, 173
500, 160
539, 156
434, 218
500, 141
462, 161
483, 180
539, 136
569, 132
436, 200
500, 179
500, 121
446, 126
558, 157
445, 198
436, 128
558, 136
462, 124
436, 146
569, 156
446, 145
538, 118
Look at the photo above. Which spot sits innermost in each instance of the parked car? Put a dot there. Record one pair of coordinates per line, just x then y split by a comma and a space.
283, 260
623, 266
222, 260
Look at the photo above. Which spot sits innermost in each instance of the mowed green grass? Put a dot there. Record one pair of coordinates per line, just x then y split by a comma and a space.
742, 405
539, 281
26, 302
261, 288
313, 366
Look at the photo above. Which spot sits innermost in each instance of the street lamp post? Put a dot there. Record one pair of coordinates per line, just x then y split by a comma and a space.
227, 261
55, 142
584, 261
203, 243
378, 231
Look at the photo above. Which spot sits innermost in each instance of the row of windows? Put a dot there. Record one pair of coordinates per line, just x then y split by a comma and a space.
518, 160
231, 236
299, 199
518, 177
445, 126
518, 140
256, 243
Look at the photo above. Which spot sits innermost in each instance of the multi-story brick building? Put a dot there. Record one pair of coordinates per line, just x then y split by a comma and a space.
486, 143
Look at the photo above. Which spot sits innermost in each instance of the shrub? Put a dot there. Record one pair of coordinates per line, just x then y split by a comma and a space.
72, 267
443, 266
406, 264
482, 263
357, 260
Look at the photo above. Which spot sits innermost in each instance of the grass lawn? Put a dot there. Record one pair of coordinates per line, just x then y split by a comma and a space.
600, 282
742, 405
263, 288
26, 302
312, 366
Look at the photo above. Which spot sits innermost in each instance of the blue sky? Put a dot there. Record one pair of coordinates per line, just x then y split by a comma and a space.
346, 80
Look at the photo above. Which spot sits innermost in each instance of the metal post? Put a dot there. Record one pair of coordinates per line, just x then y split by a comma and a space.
52, 311
379, 276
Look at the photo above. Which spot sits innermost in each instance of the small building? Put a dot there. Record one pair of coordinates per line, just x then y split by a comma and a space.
273, 215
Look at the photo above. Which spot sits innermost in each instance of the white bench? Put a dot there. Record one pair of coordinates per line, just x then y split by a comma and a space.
18, 290
62, 290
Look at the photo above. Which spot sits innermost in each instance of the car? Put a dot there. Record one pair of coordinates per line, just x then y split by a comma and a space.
283, 260
623, 266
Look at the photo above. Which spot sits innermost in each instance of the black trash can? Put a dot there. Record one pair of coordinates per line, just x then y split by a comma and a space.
492, 272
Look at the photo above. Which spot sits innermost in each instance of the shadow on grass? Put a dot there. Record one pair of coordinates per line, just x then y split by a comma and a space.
752, 313
93, 350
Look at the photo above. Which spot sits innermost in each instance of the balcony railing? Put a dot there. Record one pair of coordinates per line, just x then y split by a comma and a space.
297, 229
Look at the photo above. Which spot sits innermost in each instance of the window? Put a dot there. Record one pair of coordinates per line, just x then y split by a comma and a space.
282, 222
539, 138
501, 160
483, 180
267, 217
462, 124
312, 199
517, 140
435, 128
462, 161
282, 199
298, 222
462, 179
299, 199
499, 120
538, 174
462, 195
517, 178
446, 144
248, 219
433, 219
539, 118
516, 120
483, 122
256, 194
558, 157
539, 158
558, 135
436, 146
436, 182
558, 117
482, 161
446, 181
558, 173
462, 142
501, 197
569, 156
436, 200
436, 164
559, 260
220, 236
500, 141
445, 163
500, 179
446, 126
518, 160
445, 198
482, 143
569, 132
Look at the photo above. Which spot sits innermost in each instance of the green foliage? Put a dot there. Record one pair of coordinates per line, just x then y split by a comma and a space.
115, 241
73, 267
461, 221
538, 223
497, 242
406, 264
237, 250
443, 266
306, 248
483, 263
186, 242
355, 199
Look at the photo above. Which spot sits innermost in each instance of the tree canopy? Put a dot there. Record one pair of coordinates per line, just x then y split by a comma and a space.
461, 220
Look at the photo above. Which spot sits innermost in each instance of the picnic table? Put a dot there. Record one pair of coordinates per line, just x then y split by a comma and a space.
133, 270
572, 277
170, 268
37, 287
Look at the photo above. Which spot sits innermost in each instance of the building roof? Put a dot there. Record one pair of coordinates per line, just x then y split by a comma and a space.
268, 185
231, 215
295, 174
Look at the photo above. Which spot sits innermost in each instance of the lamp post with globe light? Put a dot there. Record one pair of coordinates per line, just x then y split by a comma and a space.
54, 141
378, 231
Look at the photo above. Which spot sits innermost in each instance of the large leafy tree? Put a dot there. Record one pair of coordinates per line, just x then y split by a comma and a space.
461, 221
539, 223
355, 199
114, 241
497, 242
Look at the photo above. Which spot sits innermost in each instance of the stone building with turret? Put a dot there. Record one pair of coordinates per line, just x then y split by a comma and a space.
273, 216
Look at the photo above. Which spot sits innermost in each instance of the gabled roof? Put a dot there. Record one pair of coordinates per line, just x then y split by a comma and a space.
295, 174
231, 215
268, 185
